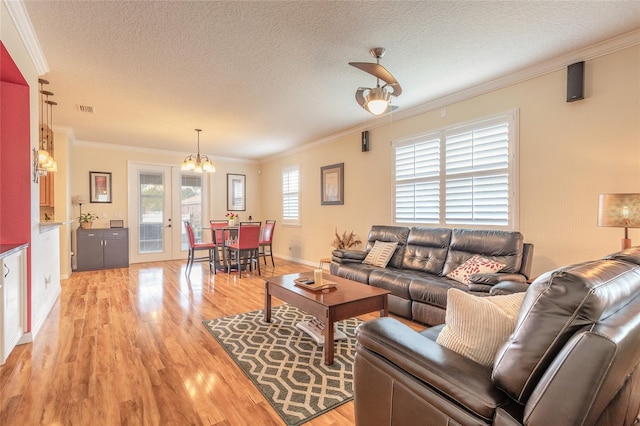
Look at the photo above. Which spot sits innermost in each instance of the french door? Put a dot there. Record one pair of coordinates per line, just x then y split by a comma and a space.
160, 199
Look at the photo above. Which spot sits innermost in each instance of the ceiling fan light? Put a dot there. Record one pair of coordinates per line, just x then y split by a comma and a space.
377, 107
377, 101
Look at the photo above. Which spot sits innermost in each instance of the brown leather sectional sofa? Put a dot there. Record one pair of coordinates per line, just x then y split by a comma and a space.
416, 273
573, 359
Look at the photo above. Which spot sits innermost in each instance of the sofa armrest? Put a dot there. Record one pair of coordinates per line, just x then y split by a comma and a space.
441, 370
508, 287
495, 278
342, 256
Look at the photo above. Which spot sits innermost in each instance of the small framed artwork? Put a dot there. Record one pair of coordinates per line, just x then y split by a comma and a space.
100, 187
236, 190
332, 185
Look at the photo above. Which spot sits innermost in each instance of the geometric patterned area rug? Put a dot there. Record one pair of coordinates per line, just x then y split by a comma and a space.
286, 364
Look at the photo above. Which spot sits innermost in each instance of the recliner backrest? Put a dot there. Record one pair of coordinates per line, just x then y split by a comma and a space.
595, 378
558, 305
502, 246
427, 249
384, 233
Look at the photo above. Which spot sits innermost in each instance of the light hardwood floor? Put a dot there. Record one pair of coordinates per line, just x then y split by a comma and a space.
127, 347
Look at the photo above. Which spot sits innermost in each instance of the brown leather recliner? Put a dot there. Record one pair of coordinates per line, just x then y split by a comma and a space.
573, 359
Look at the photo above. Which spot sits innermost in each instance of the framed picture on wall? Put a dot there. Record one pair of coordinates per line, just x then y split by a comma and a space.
100, 187
236, 192
332, 185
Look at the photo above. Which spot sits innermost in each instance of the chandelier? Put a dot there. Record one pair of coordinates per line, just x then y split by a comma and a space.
198, 163
43, 161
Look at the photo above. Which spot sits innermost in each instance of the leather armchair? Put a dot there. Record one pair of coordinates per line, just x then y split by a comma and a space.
573, 359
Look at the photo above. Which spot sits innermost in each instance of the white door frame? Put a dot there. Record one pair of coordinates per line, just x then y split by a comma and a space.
172, 221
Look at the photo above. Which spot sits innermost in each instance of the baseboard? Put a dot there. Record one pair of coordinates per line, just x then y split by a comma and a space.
36, 327
26, 338
303, 261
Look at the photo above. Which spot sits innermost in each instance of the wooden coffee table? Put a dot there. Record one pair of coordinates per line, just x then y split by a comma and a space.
347, 300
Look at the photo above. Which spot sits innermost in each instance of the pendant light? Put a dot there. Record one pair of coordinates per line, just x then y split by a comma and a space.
198, 163
43, 161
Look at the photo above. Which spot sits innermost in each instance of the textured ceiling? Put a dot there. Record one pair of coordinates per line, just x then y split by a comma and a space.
265, 77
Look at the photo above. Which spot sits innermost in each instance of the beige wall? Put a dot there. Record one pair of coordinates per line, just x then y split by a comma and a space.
104, 158
569, 153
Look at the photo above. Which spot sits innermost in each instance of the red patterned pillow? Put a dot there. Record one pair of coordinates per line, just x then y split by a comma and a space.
475, 265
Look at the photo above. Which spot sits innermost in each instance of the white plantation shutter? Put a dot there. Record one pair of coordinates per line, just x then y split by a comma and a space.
418, 181
291, 195
458, 176
477, 175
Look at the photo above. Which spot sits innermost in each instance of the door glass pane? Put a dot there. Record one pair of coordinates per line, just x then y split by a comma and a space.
191, 208
152, 193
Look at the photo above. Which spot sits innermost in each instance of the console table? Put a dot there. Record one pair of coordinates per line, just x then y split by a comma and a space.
102, 248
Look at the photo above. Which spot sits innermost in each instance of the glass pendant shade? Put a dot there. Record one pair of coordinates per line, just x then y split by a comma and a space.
377, 100
43, 156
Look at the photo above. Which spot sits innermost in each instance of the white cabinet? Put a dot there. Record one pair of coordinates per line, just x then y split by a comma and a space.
12, 301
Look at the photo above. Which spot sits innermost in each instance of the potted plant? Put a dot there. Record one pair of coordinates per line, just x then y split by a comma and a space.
86, 220
346, 241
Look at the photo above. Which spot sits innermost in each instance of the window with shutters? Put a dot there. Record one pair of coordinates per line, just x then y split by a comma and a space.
459, 176
291, 196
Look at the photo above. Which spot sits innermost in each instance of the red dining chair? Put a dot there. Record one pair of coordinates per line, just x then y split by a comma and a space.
218, 236
193, 247
266, 240
245, 247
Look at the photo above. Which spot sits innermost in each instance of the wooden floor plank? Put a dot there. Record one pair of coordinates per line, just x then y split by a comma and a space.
127, 347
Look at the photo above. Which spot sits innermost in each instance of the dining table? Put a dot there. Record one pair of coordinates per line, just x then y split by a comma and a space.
221, 256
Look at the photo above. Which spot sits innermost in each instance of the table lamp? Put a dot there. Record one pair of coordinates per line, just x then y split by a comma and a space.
620, 211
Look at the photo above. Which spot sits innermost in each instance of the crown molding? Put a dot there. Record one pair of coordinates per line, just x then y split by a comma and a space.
21, 19
591, 52
129, 148
597, 50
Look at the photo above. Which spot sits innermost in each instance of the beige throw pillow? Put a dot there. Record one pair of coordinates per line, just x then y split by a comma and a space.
380, 254
476, 264
476, 327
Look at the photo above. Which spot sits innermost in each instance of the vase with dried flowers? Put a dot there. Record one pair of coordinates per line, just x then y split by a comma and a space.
346, 240
232, 218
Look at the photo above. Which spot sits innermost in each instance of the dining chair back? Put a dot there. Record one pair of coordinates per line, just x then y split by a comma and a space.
246, 247
218, 234
266, 241
196, 246
259, 223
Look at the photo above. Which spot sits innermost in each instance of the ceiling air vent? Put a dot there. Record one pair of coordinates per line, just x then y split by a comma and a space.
85, 108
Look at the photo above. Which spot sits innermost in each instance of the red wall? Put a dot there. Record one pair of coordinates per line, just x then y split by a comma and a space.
15, 164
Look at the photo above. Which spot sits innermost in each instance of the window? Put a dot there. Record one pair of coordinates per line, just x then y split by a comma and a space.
291, 196
464, 175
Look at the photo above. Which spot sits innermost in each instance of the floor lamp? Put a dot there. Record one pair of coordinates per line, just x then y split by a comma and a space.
79, 199
620, 211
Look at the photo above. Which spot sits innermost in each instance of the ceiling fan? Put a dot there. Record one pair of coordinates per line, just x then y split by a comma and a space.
376, 100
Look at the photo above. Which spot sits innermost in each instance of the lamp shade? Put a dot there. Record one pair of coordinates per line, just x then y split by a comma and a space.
78, 199
619, 210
